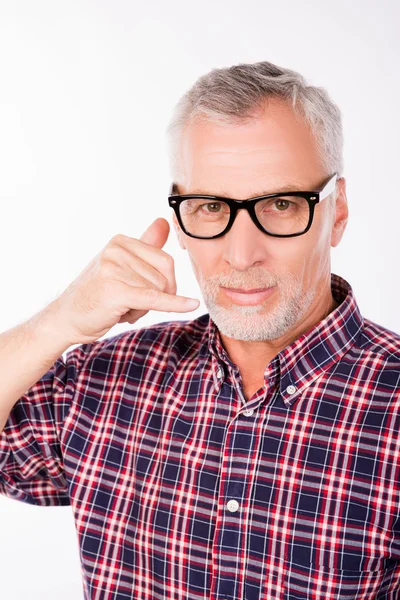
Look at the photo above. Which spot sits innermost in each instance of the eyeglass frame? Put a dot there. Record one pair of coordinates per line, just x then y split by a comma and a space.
313, 198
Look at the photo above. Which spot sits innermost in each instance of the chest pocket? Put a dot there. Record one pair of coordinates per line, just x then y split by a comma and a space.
308, 580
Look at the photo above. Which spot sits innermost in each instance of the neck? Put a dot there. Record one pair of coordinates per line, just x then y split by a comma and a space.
255, 356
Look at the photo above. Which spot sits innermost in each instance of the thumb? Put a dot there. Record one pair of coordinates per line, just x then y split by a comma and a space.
157, 233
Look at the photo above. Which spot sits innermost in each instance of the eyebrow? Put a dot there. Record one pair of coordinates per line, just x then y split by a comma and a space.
288, 187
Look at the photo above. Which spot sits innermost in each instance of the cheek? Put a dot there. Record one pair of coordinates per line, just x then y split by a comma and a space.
289, 254
204, 257
199, 259
304, 256
314, 257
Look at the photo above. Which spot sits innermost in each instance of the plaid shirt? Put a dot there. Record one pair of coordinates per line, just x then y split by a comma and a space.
181, 489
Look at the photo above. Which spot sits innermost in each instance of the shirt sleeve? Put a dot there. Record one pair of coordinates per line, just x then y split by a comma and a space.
31, 462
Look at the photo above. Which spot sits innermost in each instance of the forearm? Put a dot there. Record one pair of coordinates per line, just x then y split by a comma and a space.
27, 352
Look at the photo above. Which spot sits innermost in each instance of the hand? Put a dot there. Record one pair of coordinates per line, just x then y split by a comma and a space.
122, 283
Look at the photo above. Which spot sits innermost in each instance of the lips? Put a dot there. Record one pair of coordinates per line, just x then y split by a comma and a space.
247, 291
249, 297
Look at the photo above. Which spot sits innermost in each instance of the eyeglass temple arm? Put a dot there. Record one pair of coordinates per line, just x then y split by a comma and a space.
329, 188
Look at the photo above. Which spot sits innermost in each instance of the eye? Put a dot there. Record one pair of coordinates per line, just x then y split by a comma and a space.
282, 204
213, 206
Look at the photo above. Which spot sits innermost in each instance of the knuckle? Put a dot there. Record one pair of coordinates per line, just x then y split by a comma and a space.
151, 294
162, 282
168, 262
106, 268
109, 253
118, 238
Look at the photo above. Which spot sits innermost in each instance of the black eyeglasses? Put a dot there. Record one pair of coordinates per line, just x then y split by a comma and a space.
283, 214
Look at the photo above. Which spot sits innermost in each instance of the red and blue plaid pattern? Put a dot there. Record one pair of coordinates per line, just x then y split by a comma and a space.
181, 489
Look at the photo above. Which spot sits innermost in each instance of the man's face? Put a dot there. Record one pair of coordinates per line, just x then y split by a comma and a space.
241, 162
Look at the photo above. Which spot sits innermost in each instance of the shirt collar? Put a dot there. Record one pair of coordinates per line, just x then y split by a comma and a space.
305, 359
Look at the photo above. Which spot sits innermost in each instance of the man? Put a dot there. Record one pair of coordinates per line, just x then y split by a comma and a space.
253, 452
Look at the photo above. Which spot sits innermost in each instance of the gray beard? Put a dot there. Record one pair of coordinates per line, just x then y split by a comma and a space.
257, 323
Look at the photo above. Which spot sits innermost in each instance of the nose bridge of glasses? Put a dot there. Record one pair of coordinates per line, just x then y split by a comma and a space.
237, 207
247, 205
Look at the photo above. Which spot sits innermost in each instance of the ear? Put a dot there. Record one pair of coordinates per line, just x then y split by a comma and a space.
341, 213
179, 232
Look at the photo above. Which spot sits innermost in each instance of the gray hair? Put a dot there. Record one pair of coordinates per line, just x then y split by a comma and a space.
233, 95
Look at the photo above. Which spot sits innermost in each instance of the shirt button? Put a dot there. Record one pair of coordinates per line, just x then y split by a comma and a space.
291, 389
232, 505
248, 412
220, 372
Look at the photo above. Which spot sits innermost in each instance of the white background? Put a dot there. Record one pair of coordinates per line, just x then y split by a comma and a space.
86, 92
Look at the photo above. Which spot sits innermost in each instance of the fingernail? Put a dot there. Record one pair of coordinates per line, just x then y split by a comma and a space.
192, 302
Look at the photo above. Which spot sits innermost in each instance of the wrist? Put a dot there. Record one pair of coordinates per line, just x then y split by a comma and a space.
48, 327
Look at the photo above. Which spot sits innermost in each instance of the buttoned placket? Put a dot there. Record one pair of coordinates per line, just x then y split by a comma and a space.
233, 493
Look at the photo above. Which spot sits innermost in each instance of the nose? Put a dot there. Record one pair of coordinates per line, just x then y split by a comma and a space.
245, 245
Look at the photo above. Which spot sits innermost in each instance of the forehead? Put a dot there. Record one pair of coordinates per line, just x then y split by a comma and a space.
275, 151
